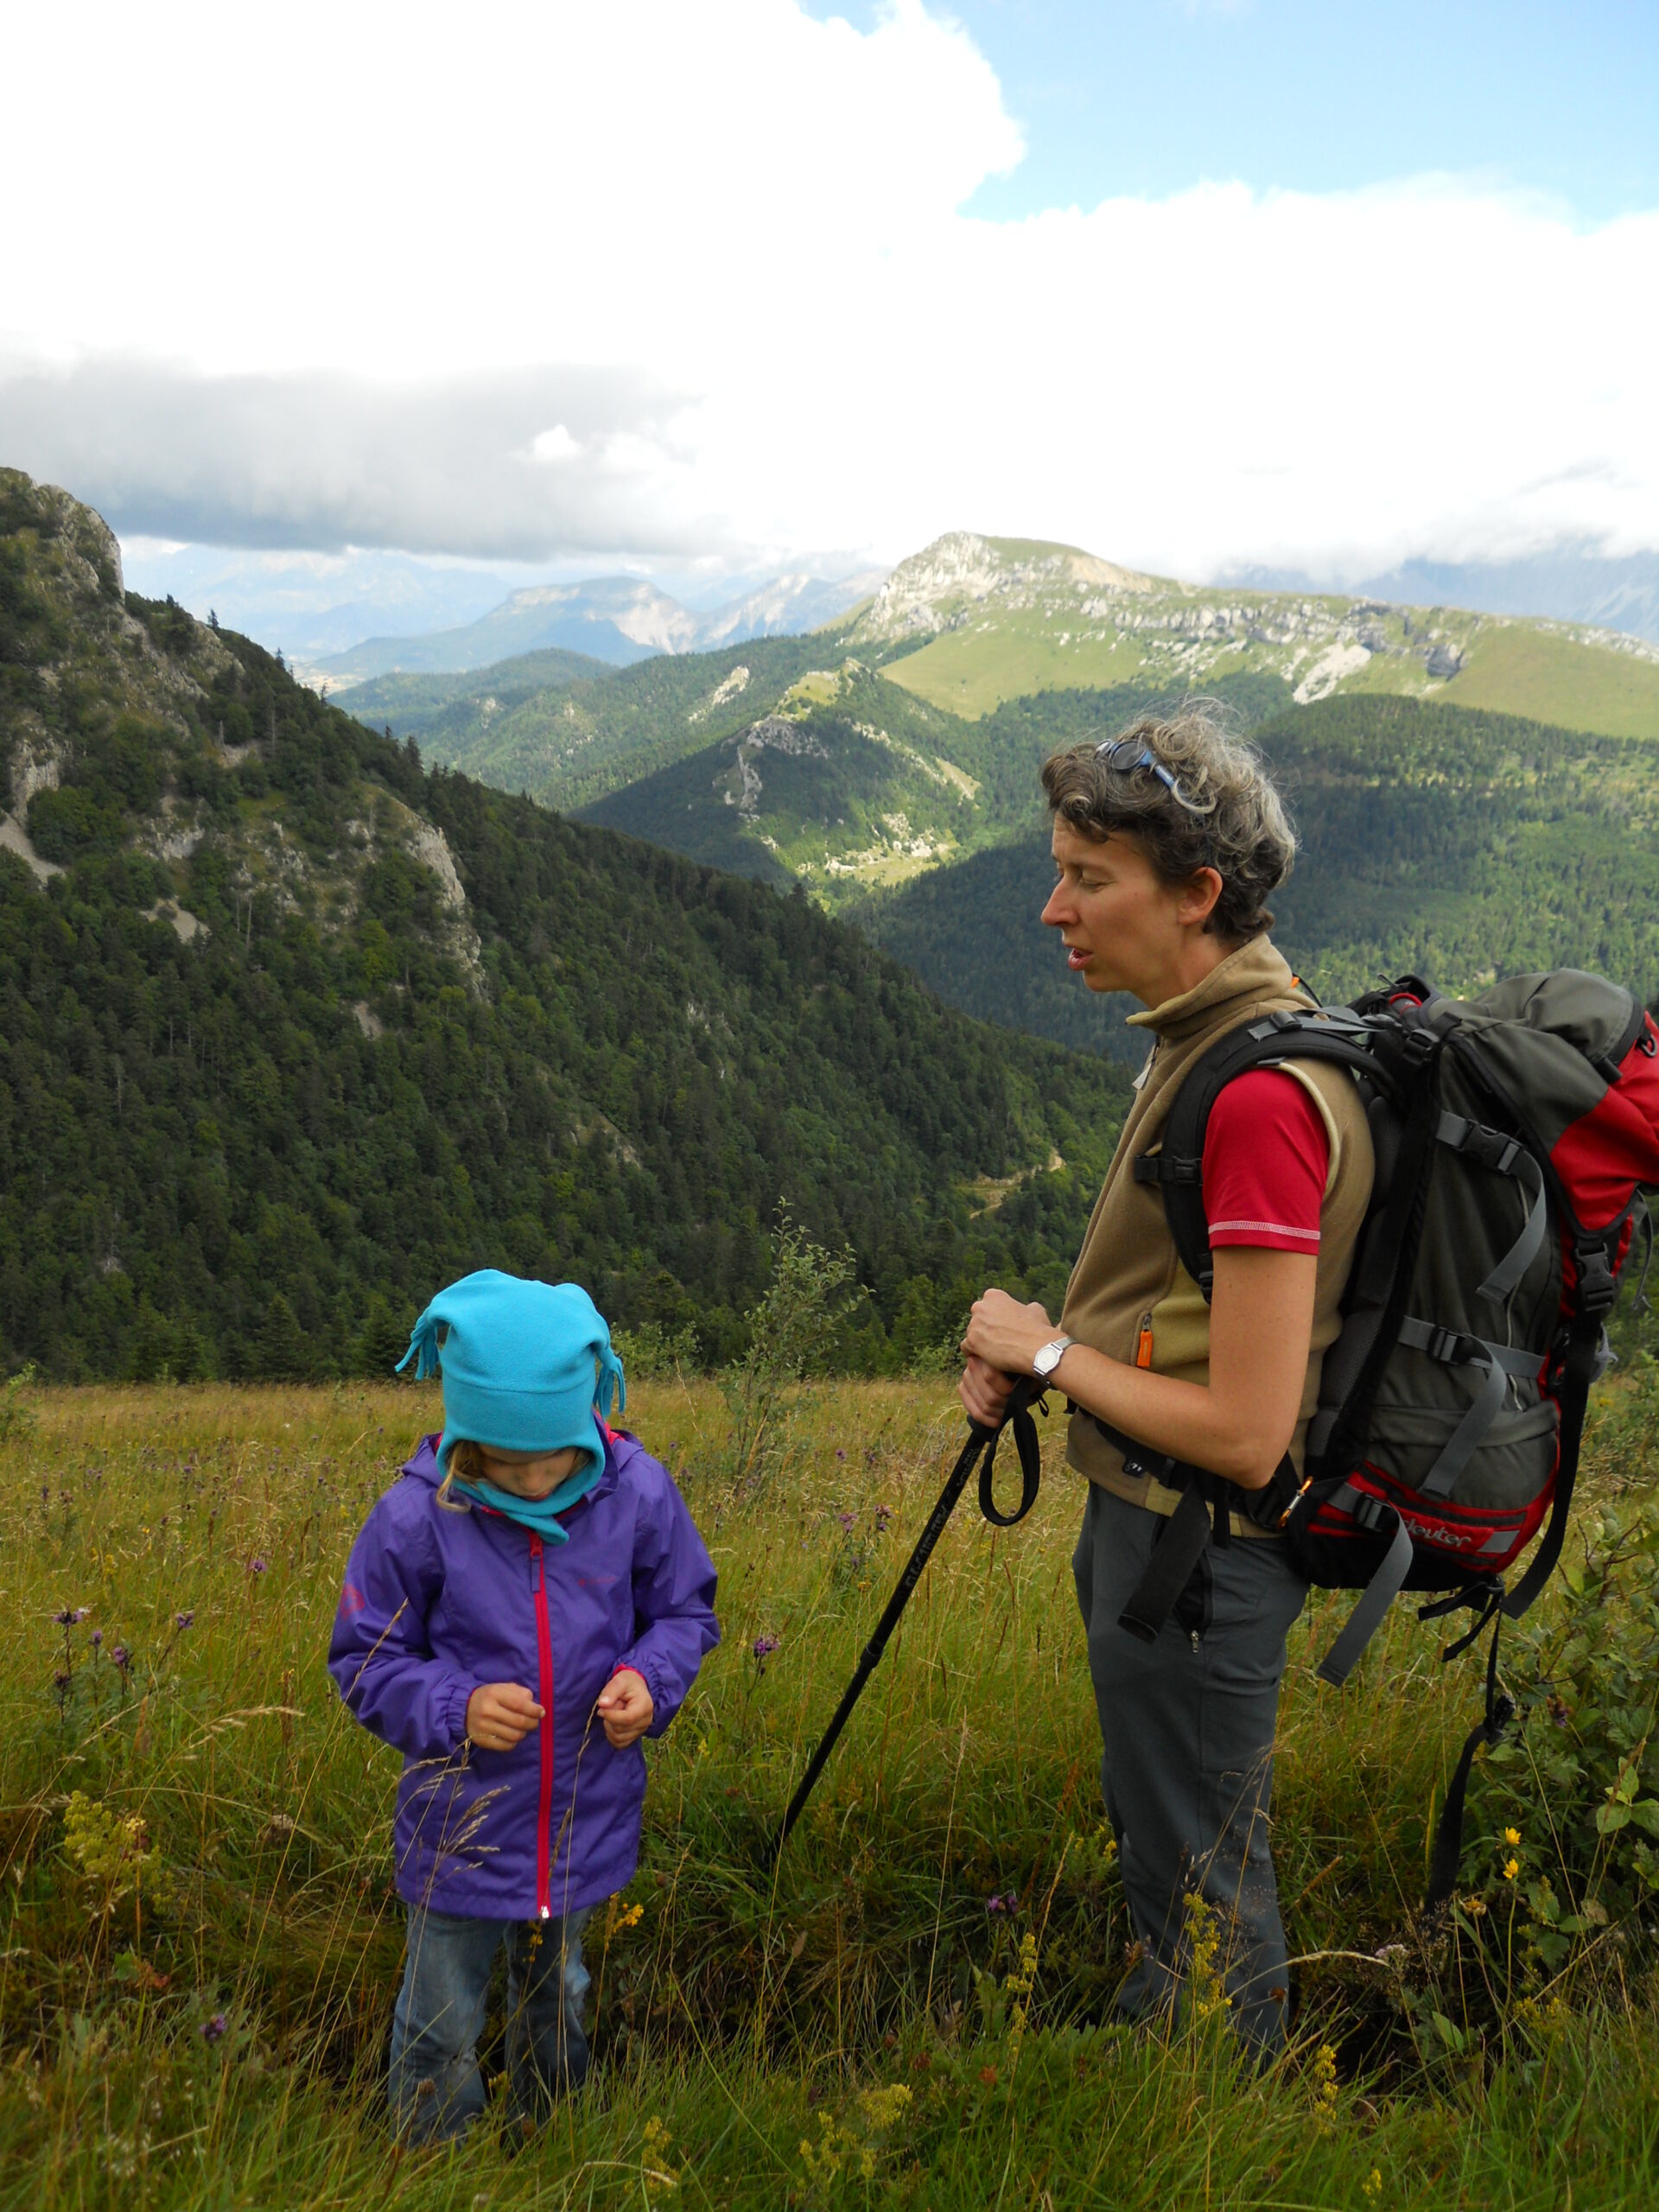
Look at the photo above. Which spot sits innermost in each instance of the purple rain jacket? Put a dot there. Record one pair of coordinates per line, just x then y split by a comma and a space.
436, 1603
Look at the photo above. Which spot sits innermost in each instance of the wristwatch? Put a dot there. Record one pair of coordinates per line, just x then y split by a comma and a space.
1043, 1362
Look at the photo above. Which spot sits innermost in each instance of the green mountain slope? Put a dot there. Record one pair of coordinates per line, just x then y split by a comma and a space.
573, 744
848, 780
1456, 842
850, 784
984, 620
291, 1030
431, 708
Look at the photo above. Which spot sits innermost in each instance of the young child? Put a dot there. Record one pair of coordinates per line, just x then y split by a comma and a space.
526, 1604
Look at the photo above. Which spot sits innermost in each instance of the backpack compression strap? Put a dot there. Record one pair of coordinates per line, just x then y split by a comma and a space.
1582, 1366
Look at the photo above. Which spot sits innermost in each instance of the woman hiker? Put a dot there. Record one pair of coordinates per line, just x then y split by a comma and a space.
1168, 844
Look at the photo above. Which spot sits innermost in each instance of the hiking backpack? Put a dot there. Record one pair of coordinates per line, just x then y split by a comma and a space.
1513, 1135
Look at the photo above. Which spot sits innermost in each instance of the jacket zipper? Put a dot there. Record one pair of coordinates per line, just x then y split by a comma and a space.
545, 1698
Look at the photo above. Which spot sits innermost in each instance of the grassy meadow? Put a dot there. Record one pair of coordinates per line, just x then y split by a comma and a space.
199, 1945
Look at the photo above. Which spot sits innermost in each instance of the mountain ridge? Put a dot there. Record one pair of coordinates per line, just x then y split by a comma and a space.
998, 619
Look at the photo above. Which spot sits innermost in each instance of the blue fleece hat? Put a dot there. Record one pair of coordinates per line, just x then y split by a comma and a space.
525, 1365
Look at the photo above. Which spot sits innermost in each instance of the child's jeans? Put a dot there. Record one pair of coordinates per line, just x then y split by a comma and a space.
436, 2089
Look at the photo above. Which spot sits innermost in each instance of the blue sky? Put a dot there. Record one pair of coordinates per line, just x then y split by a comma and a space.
1146, 97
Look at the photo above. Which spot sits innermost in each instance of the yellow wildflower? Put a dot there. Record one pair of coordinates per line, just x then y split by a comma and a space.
885, 2107
1511, 1835
1512, 1868
1325, 2081
654, 2165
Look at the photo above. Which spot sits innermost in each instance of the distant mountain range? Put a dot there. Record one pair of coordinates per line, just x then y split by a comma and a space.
307, 605
348, 616
1570, 584
618, 620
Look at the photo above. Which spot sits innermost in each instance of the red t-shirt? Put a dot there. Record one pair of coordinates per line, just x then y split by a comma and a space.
1266, 1158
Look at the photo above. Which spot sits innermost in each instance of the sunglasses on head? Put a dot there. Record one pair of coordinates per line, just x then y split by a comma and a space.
1122, 755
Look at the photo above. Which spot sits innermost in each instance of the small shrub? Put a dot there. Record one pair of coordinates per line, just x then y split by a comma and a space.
17, 1416
656, 1353
791, 1332
1564, 1833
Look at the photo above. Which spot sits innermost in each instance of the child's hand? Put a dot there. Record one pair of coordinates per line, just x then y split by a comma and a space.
626, 1708
501, 1714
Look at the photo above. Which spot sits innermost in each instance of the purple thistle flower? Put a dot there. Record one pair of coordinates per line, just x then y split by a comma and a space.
764, 1646
98, 1637
840, 1454
182, 1620
213, 2029
883, 1515
847, 1520
121, 1657
69, 1616
256, 1566
997, 1905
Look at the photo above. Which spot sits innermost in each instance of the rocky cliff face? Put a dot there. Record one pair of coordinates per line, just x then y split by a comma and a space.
132, 729
961, 572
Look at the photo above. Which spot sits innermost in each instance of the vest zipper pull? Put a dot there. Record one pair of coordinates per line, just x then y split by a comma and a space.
1143, 1345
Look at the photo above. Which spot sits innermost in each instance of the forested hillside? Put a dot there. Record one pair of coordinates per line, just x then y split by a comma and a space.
1460, 843
292, 1028
432, 708
575, 742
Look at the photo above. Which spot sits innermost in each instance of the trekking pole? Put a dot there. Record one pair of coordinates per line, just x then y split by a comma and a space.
980, 1438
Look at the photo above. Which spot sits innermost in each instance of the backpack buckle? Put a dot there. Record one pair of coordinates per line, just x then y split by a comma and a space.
1597, 1285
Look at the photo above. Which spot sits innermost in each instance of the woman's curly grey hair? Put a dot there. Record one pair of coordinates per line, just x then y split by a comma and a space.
1224, 813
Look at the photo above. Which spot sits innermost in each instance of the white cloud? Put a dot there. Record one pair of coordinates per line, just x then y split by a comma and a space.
669, 273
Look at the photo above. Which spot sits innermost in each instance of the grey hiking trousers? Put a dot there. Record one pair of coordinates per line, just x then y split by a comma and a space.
1187, 1723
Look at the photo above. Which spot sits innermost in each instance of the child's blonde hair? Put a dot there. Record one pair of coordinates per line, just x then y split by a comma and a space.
466, 1461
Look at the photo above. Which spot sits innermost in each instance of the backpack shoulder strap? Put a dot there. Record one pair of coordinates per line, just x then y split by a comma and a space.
1335, 1034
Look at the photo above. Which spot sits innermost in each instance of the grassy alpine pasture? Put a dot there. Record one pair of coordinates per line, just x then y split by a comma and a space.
200, 1946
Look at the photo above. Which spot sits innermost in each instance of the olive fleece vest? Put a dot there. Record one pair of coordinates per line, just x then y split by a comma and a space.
1130, 1295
